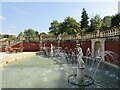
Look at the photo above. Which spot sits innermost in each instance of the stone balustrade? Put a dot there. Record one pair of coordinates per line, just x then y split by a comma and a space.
98, 34
50, 38
9, 43
111, 32
115, 31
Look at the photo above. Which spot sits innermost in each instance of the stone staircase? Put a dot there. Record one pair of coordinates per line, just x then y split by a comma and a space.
13, 43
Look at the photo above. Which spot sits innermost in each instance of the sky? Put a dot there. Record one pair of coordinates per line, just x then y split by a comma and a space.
18, 16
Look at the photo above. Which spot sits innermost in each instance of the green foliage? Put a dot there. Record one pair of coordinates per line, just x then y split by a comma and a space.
20, 34
98, 22
43, 33
106, 21
5, 36
84, 21
54, 28
11, 37
69, 26
95, 23
29, 33
115, 20
36, 33
92, 25
0, 36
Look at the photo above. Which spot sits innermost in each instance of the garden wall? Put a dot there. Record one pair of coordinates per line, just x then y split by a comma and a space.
112, 51
112, 48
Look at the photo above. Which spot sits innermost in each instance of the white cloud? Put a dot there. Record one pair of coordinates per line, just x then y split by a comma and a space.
2, 18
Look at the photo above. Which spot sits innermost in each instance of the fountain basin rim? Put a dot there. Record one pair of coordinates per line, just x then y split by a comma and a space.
92, 81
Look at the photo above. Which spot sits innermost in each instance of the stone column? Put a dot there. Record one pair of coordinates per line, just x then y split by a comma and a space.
102, 48
102, 40
92, 48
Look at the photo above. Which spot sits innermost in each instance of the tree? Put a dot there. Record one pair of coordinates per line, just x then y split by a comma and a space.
115, 20
0, 36
106, 21
5, 36
98, 22
92, 25
20, 34
95, 23
43, 33
84, 21
29, 33
69, 26
54, 28
36, 33
11, 37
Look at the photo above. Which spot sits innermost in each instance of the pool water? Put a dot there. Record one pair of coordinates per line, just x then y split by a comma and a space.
40, 72
34, 72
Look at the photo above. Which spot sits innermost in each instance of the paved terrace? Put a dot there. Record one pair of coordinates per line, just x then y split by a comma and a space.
6, 58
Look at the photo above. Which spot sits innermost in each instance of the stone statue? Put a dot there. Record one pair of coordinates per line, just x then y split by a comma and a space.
80, 64
79, 58
51, 50
88, 53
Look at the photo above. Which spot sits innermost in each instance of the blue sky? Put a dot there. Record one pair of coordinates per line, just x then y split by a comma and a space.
18, 16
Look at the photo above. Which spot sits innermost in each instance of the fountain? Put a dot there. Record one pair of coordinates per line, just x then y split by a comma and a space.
84, 73
80, 79
44, 51
89, 54
80, 65
51, 50
114, 57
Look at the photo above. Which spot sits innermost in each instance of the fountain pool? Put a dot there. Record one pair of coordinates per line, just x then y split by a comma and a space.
33, 72
44, 72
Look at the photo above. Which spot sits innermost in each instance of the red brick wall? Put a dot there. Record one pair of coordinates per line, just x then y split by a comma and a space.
2, 49
85, 45
29, 47
110, 45
16, 45
113, 46
71, 45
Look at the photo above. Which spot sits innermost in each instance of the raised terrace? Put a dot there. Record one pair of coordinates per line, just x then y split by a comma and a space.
105, 39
